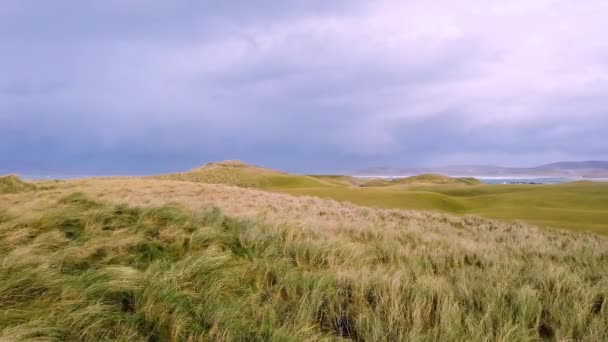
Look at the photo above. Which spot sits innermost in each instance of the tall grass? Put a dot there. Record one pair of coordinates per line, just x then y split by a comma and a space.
81, 269
12, 184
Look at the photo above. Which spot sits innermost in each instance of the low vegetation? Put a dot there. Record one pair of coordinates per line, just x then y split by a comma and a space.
436, 179
234, 172
240, 174
13, 184
340, 180
577, 206
161, 260
424, 179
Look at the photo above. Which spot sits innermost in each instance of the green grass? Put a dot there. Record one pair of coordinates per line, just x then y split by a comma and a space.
578, 206
385, 197
291, 181
244, 175
338, 180
79, 269
431, 178
428, 179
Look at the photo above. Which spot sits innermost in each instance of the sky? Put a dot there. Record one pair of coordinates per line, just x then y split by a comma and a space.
147, 86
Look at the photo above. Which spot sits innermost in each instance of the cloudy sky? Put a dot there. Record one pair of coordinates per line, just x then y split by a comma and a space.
146, 86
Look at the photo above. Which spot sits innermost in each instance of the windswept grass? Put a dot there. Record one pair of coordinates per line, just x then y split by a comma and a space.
12, 184
577, 206
73, 267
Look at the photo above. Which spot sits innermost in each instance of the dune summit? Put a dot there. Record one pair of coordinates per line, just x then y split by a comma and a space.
228, 164
238, 173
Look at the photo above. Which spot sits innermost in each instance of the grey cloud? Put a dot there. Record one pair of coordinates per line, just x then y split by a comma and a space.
150, 86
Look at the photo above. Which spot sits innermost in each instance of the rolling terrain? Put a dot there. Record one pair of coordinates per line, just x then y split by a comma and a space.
579, 205
576, 205
145, 259
185, 257
234, 172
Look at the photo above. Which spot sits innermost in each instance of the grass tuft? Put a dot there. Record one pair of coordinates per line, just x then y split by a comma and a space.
79, 200
12, 184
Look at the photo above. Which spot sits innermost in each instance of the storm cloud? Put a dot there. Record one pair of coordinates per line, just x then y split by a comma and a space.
134, 87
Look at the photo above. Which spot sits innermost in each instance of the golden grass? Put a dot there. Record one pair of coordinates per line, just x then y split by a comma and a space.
12, 184
147, 259
579, 206
576, 206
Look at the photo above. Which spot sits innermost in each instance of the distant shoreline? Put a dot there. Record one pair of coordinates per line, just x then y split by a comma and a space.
507, 180
479, 177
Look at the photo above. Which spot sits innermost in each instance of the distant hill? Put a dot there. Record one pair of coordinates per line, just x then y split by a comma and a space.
238, 173
430, 178
585, 169
339, 180
427, 178
601, 165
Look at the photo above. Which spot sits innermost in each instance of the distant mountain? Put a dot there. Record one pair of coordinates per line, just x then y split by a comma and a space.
603, 165
584, 169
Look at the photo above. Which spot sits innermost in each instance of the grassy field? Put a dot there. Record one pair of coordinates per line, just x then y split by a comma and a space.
142, 259
578, 206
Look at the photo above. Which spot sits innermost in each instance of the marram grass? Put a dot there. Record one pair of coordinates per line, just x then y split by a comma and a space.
81, 269
13, 184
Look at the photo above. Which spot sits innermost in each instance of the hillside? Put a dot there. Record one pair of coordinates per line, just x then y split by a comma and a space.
430, 178
422, 179
340, 180
238, 173
574, 206
161, 260
377, 182
245, 175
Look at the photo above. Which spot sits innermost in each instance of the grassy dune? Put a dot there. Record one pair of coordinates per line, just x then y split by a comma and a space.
240, 174
579, 206
162, 260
